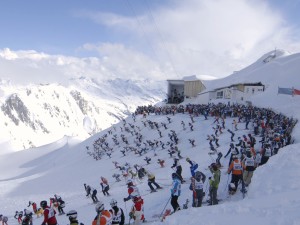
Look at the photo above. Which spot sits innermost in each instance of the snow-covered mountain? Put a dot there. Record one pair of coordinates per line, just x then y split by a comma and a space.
274, 69
64, 166
35, 115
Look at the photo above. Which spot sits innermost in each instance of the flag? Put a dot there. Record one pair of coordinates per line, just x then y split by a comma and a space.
296, 92
285, 91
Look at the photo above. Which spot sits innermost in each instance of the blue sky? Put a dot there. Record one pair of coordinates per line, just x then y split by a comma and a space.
60, 27
206, 37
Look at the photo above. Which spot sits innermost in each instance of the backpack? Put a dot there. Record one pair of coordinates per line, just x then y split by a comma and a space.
62, 203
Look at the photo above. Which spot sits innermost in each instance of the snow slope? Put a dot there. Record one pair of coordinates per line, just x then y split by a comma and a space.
62, 168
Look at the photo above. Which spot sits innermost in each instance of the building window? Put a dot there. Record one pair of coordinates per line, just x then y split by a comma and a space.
220, 94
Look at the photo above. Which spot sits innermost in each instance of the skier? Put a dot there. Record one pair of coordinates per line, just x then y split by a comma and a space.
266, 153
117, 212
191, 127
236, 171
27, 220
193, 167
218, 159
141, 172
252, 140
34, 207
192, 142
214, 183
87, 189
161, 162
196, 186
232, 134
183, 125
103, 217
117, 177
39, 212
233, 150
4, 219
133, 174
234, 123
104, 186
60, 205
94, 195
151, 180
175, 192
72, 214
49, 214
18, 216
216, 140
137, 210
147, 159
178, 167
178, 152
210, 138
249, 166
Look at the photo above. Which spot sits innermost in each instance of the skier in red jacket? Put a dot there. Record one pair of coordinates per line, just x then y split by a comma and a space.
49, 214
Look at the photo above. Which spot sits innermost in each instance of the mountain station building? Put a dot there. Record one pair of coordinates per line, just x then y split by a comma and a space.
188, 87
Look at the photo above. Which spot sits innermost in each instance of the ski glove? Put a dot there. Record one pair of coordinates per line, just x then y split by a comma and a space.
126, 199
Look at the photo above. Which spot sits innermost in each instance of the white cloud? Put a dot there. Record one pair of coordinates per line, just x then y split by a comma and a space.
116, 61
207, 37
122, 61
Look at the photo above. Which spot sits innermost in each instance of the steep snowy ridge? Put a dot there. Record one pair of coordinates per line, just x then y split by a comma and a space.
52, 111
273, 73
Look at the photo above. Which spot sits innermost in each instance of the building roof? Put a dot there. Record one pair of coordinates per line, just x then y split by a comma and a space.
245, 84
176, 82
186, 78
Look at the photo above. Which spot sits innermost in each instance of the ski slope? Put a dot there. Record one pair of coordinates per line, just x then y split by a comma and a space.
63, 167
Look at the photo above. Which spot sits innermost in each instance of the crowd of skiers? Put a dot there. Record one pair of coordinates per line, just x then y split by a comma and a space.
245, 154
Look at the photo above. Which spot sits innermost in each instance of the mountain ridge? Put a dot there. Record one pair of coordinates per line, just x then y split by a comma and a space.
51, 111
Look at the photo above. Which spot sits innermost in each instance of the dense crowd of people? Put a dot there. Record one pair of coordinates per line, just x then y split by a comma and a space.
245, 154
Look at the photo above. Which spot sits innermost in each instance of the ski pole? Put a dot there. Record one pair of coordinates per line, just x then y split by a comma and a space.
126, 208
127, 214
165, 207
211, 158
227, 183
206, 188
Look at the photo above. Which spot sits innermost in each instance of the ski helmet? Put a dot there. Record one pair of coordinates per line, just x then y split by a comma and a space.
99, 207
43, 204
72, 214
129, 182
187, 159
174, 175
197, 174
113, 203
214, 166
234, 156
